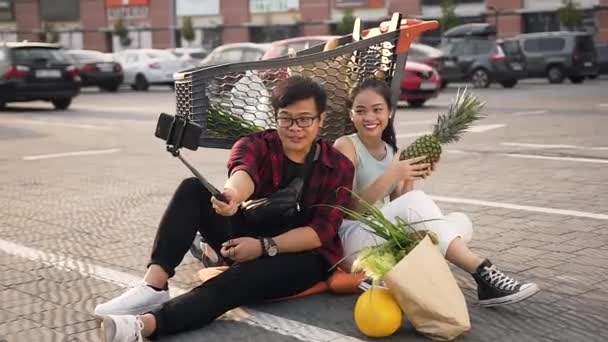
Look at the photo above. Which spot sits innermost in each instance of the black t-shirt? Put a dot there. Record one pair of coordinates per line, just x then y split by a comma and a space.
291, 170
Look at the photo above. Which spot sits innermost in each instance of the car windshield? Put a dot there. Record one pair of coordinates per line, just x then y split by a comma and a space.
510, 47
160, 55
34, 54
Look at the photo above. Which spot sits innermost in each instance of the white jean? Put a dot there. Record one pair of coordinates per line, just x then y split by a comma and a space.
413, 206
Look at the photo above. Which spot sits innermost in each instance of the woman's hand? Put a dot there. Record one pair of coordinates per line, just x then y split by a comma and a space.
242, 249
226, 209
408, 171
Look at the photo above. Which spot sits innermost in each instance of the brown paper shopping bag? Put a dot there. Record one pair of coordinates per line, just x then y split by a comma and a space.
428, 294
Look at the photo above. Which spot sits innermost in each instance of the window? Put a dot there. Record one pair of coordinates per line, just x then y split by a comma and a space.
532, 45
484, 47
510, 47
584, 44
56, 10
6, 10
160, 55
34, 54
463, 48
230, 56
250, 55
552, 44
541, 22
2, 55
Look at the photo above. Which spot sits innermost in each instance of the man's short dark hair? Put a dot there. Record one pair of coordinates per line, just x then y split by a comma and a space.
297, 88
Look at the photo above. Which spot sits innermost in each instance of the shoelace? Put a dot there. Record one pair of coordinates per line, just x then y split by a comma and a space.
140, 328
499, 279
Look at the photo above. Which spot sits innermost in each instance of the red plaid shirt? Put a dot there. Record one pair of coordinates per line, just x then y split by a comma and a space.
261, 156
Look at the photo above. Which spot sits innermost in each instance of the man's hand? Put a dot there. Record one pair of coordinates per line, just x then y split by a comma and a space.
242, 249
226, 209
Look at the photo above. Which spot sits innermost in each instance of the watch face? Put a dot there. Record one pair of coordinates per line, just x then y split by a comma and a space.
272, 251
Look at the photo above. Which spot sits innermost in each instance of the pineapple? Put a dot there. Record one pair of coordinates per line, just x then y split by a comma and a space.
465, 109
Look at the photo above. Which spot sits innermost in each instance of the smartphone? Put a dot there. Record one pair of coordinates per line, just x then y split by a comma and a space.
187, 135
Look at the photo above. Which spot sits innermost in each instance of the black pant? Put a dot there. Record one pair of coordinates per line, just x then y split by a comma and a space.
242, 284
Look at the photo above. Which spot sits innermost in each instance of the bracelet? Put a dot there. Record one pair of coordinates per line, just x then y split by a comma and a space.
263, 246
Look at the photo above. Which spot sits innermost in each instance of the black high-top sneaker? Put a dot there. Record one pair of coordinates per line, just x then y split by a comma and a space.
204, 253
496, 288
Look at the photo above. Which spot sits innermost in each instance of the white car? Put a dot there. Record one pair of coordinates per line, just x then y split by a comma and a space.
191, 55
146, 67
235, 53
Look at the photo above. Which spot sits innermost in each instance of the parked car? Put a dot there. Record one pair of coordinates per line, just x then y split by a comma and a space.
146, 67
37, 71
420, 83
426, 54
234, 53
97, 69
557, 55
192, 56
480, 61
282, 47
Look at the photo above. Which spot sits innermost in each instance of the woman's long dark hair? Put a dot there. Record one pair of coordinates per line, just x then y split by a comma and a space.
381, 88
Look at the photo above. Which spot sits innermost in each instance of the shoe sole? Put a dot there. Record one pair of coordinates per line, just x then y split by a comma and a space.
108, 329
512, 299
138, 311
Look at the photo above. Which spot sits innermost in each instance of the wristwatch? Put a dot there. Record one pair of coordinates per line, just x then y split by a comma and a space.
270, 247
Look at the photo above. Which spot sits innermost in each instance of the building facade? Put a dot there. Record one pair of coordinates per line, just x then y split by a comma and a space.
156, 23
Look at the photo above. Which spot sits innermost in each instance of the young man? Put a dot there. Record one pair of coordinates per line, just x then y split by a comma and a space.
265, 265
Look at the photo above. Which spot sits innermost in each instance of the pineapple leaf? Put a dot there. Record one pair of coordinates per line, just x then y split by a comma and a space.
464, 110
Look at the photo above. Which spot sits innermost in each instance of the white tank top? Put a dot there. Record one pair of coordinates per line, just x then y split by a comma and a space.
368, 167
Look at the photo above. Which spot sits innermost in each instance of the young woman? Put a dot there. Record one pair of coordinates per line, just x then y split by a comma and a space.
380, 175
267, 262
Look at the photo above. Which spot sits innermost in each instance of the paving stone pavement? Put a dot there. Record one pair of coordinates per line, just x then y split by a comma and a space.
103, 211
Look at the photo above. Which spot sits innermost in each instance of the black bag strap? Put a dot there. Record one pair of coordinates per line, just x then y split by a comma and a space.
308, 165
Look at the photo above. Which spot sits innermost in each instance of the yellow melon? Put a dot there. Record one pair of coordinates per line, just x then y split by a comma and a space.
377, 314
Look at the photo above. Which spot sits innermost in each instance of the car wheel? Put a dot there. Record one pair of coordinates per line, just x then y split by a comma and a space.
110, 87
555, 74
62, 104
509, 83
141, 83
576, 79
480, 78
592, 77
2, 105
416, 103
444, 84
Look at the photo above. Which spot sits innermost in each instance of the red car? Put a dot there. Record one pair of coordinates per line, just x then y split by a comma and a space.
420, 82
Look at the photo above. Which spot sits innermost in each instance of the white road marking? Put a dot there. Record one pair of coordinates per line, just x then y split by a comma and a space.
550, 146
71, 154
473, 129
534, 156
416, 123
484, 128
572, 159
531, 112
412, 135
122, 109
277, 324
56, 123
543, 210
603, 105
460, 152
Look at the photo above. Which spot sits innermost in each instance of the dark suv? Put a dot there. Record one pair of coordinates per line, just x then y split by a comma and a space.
36, 71
480, 61
557, 55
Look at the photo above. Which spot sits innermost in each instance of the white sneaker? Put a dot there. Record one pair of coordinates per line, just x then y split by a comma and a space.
122, 329
137, 300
